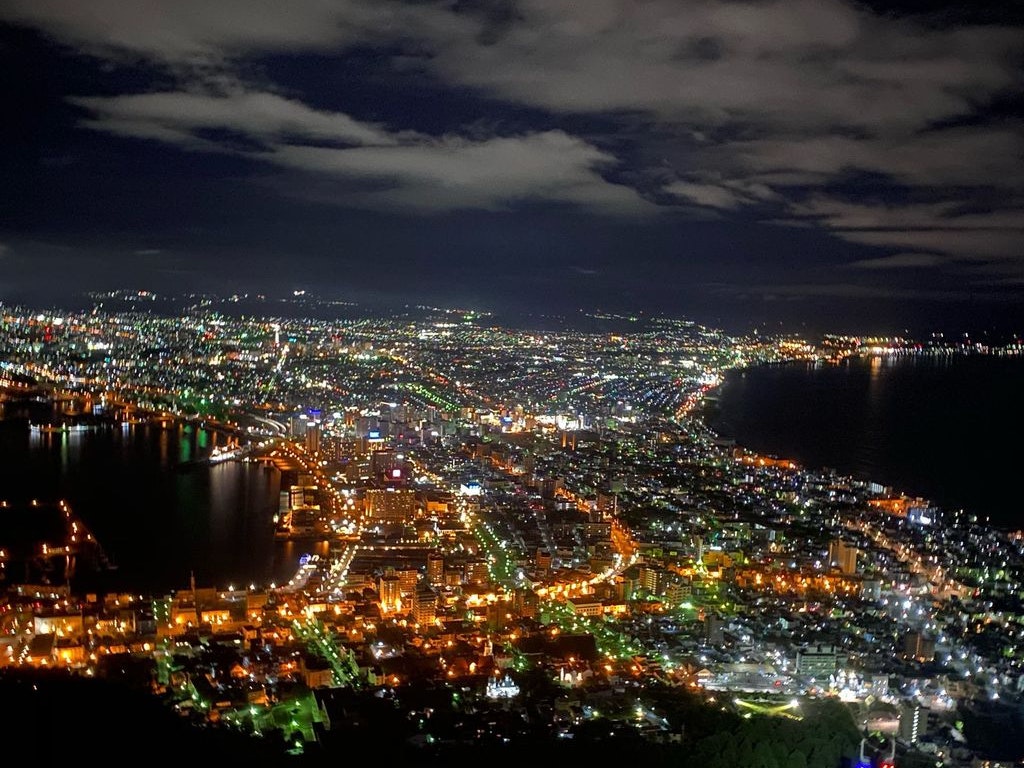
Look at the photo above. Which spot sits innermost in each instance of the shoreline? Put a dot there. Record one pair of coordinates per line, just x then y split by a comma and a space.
130, 575
709, 409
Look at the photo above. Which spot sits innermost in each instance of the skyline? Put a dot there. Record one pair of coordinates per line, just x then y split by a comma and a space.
803, 165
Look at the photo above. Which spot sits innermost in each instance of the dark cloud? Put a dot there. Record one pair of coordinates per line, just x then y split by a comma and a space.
773, 111
195, 32
179, 117
405, 170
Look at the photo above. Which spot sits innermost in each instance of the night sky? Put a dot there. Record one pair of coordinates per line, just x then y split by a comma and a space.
812, 164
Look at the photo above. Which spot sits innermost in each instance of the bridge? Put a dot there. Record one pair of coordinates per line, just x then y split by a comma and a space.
276, 427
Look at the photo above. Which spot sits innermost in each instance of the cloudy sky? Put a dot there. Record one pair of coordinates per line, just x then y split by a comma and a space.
789, 163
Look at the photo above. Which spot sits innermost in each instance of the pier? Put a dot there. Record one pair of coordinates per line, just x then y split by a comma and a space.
46, 542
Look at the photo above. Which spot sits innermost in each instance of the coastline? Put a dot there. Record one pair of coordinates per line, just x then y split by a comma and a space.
229, 502
750, 420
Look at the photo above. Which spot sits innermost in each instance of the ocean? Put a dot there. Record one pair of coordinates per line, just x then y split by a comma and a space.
159, 515
944, 428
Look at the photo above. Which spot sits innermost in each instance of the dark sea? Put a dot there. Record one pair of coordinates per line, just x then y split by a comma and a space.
158, 513
945, 428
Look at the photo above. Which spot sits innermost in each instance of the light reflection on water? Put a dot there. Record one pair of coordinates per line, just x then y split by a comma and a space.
155, 516
929, 426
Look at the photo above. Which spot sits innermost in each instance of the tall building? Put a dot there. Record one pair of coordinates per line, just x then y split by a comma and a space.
843, 556
650, 578
389, 590
424, 606
913, 722
549, 485
677, 590
476, 571
383, 463
297, 425
408, 578
357, 469
313, 438
391, 504
630, 582
435, 569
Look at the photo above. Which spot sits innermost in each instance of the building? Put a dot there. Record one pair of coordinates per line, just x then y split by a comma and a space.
389, 590
543, 559
714, 629
587, 605
677, 590
917, 645
476, 571
312, 438
913, 722
871, 589
843, 556
315, 672
628, 582
424, 606
650, 578
877, 685
357, 469
391, 504
407, 580
297, 425
435, 569
549, 486
304, 493
384, 462
819, 661
502, 688
61, 624
607, 506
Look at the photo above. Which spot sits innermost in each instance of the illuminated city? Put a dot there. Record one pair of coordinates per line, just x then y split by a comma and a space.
487, 510
512, 383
